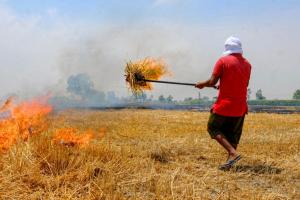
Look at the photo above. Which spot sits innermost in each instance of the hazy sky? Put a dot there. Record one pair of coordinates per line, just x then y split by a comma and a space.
42, 43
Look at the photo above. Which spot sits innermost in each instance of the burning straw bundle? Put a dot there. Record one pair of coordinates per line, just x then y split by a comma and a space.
137, 72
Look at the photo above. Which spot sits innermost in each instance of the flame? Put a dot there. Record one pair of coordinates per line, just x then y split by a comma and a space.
152, 69
149, 68
73, 137
19, 122
9, 133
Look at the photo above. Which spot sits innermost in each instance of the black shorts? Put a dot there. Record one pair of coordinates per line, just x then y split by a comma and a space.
230, 127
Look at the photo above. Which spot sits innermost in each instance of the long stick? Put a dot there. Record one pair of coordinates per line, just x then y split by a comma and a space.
176, 83
169, 82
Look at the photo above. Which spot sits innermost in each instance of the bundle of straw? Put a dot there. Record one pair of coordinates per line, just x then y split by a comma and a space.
148, 68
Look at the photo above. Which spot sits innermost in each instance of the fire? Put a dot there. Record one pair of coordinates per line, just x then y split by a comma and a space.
9, 133
74, 137
19, 122
149, 68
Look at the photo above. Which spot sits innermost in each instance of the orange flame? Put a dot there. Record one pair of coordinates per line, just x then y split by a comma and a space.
148, 68
23, 120
73, 137
152, 69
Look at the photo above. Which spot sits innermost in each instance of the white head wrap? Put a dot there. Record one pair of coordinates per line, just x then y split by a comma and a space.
233, 45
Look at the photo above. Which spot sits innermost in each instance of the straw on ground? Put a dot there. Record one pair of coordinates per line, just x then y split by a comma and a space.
169, 156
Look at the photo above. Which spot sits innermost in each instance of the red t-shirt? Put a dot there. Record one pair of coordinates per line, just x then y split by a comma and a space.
234, 72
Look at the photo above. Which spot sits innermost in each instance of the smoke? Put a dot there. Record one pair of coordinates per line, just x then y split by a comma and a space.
36, 57
190, 52
103, 55
29, 52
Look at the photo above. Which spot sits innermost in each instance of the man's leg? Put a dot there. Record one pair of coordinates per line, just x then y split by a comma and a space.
228, 135
232, 153
215, 125
237, 131
232, 131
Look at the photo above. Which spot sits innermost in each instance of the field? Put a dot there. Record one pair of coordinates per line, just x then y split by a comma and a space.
148, 154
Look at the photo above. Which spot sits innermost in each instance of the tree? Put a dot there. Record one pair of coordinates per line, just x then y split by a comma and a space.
259, 95
142, 96
296, 94
151, 97
82, 85
170, 99
205, 98
188, 99
161, 98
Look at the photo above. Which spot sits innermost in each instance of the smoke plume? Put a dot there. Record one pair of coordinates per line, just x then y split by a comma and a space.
36, 58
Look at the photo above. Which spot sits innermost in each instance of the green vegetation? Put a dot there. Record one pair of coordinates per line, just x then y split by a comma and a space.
275, 102
259, 95
296, 95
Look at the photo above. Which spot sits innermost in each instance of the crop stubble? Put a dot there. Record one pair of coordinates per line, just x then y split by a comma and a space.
154, 154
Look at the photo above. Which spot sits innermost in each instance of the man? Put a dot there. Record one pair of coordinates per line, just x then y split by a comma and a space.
226, 120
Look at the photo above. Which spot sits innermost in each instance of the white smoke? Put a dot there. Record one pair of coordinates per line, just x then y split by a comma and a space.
28, 53
36, 56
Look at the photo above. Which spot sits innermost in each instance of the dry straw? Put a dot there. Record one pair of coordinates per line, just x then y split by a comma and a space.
169, 156
148, 68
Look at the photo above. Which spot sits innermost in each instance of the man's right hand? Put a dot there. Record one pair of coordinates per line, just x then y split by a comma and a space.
200, 85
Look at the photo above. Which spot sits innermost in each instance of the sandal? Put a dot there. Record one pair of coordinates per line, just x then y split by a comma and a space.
229, 163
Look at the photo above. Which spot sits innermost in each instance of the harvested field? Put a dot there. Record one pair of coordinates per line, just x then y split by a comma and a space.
154, 154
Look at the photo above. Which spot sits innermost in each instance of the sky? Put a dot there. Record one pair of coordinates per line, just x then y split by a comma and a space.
42, 43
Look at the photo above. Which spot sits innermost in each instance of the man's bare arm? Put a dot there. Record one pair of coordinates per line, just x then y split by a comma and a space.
209, 83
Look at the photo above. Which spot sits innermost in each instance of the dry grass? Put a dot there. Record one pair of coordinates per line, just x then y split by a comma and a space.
154, 155
148, 68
